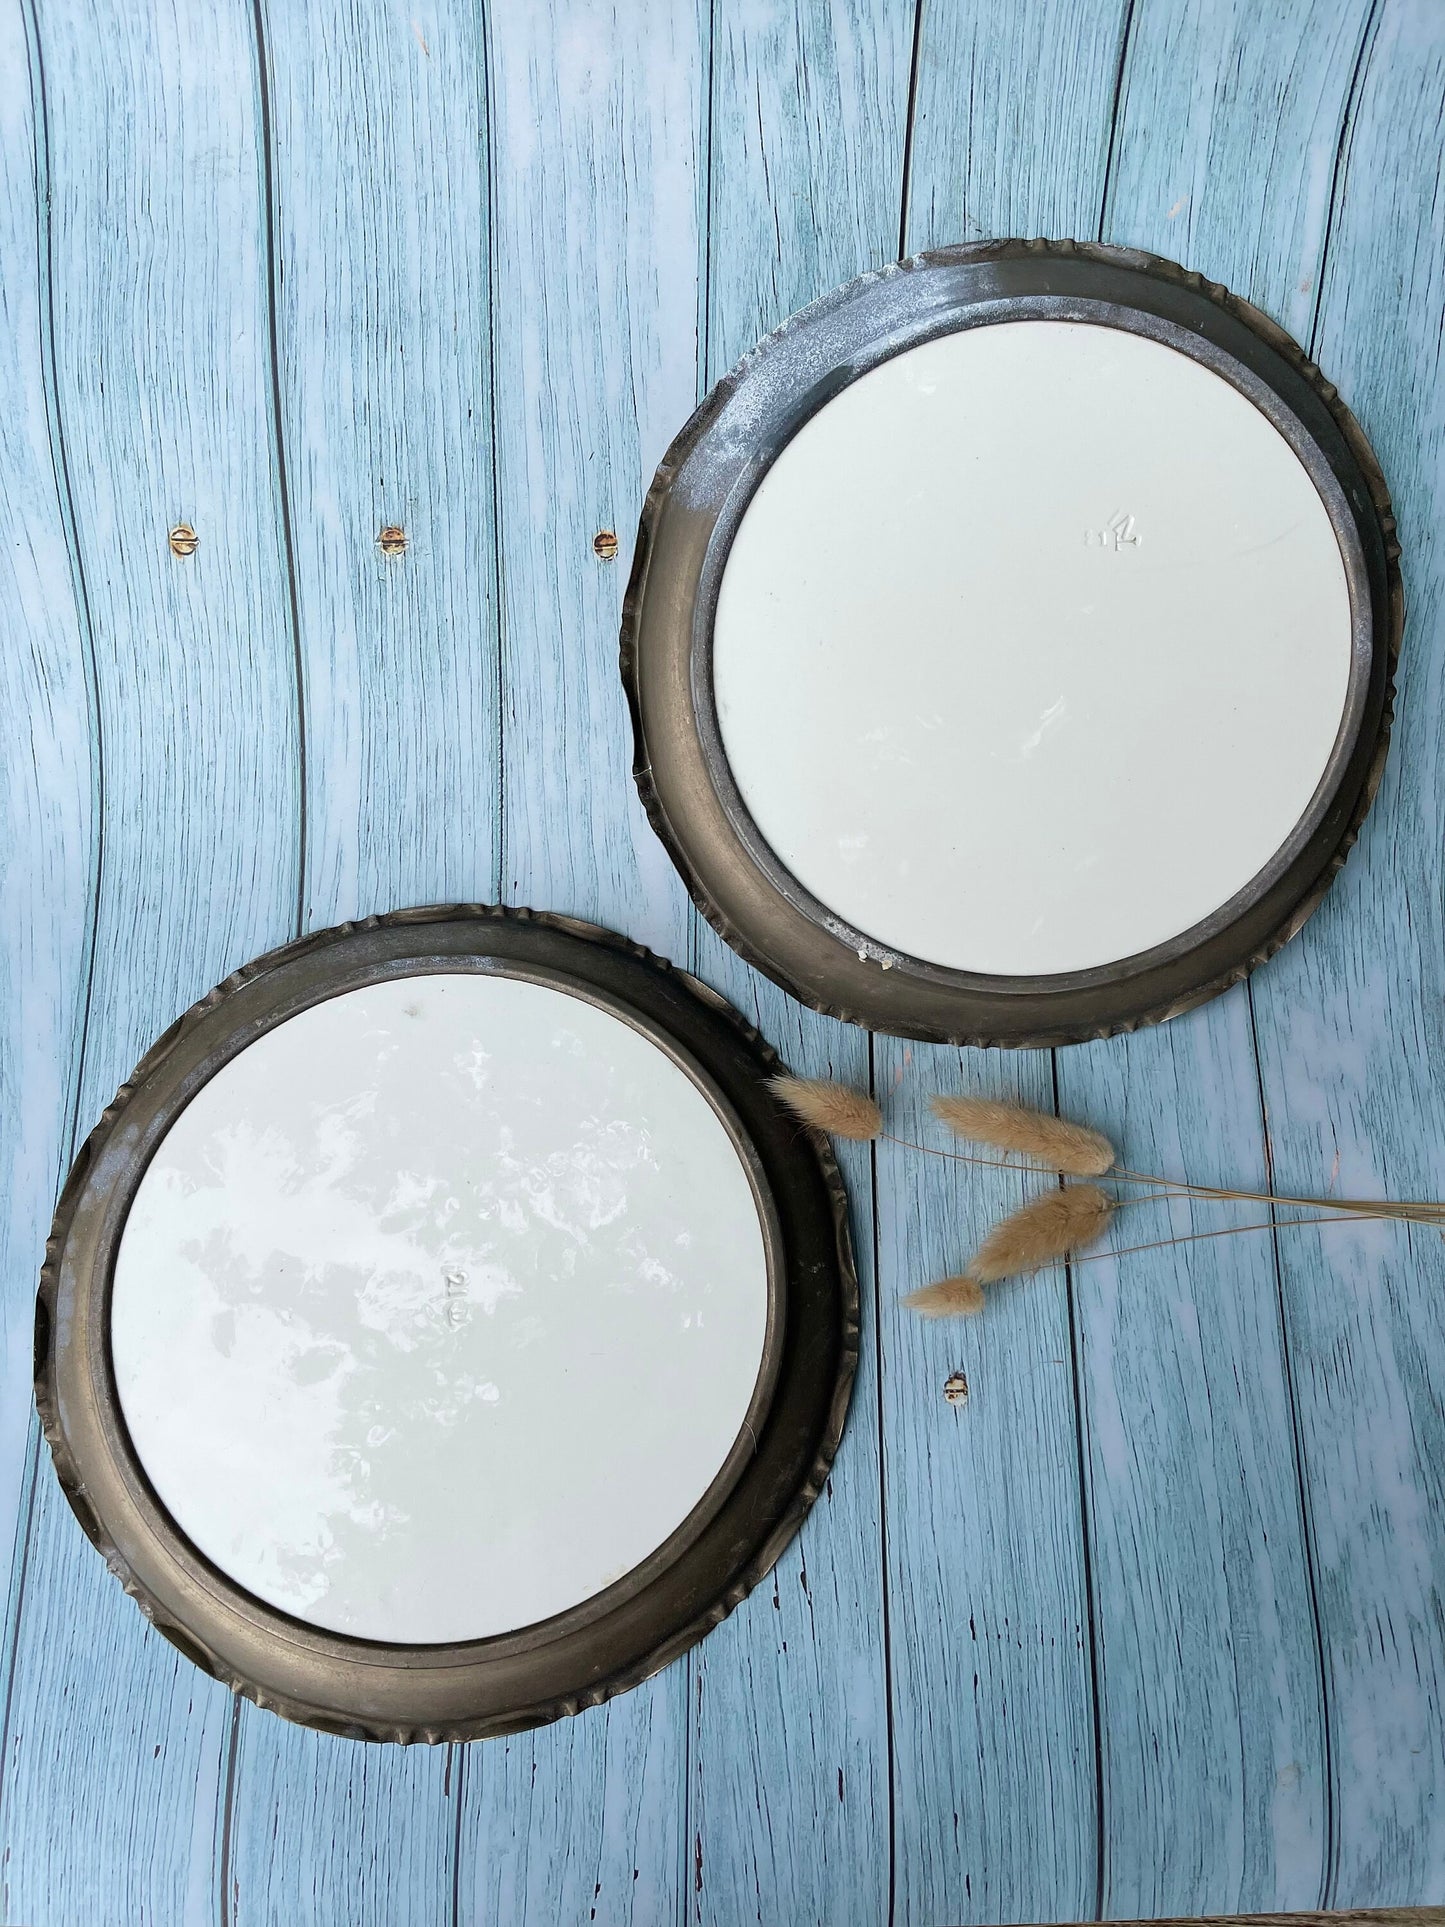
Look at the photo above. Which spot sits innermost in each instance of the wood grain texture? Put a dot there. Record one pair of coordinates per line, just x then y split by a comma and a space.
378, 120
597, 123
539, 233
49, 770
336, 1833
583, 1821
994, 1776
1213, 1759
378, 167
156, 248
1350, 1029
809, 125
789, 1793
994, 1714
1011, 119
1214, 1743
1225, 144
597, 156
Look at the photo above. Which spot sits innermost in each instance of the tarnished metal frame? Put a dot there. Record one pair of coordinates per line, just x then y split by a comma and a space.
692, 512
471, 1690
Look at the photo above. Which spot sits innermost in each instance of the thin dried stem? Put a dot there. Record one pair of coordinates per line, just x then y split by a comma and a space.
1227, 1231
1412, 1211
964, 1296
1417, 1210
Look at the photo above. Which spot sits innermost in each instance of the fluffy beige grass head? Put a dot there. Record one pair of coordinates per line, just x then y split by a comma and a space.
949, 1298
837, 1109
1052, 1141
1043, 1232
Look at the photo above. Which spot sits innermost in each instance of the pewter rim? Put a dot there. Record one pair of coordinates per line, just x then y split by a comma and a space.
368, 1648
931, 327
370, 1691
731, 429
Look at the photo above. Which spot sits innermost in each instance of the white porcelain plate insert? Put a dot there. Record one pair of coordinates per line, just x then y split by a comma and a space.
440, 1307
1032, 648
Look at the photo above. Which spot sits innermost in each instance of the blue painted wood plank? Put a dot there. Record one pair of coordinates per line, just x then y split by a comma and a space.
995, 1807
582, 1821
48, 804
789, 1798
1011, 119
1212, 1727
789, 1791
379, 174
337, 1833
809, 123
1224, 151
994, 1733
127, 1742
596, 117
380, 177
1213, 1769
1351, 1042
160, 338
597, 170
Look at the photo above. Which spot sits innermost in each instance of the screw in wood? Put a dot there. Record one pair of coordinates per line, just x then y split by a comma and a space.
955, 1388
392, 540
604, 545
183, 539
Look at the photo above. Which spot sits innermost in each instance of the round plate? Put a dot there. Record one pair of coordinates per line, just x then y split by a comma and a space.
445, 1326
1010, 645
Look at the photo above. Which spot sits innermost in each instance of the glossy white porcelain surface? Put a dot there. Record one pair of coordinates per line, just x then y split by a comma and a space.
1032, 648
439, 1308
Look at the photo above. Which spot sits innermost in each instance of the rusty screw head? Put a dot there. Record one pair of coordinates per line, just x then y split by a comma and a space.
392, 540
183, 539
955, 1388
604, 545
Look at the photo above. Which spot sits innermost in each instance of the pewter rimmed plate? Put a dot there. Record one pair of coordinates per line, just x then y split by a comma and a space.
445, 1326
1010, 644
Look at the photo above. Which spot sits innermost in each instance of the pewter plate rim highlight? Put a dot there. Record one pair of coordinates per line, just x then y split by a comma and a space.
594, 1603
512, 1681
696, 501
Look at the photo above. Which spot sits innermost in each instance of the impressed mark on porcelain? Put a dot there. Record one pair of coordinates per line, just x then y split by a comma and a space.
1117, 534
454, 1278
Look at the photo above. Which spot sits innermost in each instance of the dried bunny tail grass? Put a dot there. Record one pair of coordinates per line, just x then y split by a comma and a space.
1054, 1141
837, 1109
950, 1297
1042, 1232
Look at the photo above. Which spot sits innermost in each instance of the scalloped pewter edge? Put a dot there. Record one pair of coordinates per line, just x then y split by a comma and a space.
1290, 351
314, 1714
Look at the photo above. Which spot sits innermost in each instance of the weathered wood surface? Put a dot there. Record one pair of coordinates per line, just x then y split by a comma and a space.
789, 1809
1214, 1751
596, 150
1351, 1043
153, 249
383, 397
1153, 1623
